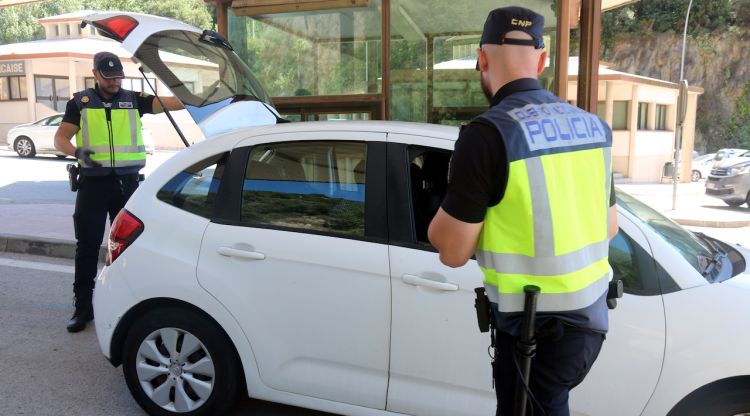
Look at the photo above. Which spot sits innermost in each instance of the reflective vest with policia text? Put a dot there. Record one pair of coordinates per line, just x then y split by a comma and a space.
112, 130
551, 227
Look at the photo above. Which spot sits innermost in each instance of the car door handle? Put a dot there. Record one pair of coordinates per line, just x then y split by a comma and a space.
421, 281
233, 252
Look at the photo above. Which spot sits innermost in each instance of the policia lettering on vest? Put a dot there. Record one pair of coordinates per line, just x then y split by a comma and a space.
106, 123
530, 194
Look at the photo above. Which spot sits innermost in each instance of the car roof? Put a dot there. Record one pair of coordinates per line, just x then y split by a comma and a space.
373, 126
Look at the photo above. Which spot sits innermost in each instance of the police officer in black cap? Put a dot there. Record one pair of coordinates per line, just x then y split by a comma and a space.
530, 194
106, 123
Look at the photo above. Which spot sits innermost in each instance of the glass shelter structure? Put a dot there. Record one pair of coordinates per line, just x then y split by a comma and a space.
409, 60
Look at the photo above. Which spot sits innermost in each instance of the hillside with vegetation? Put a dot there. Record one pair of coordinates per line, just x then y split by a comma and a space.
645, 38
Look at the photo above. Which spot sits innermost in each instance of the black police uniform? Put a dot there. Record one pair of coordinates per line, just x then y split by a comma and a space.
102, 191
565, 352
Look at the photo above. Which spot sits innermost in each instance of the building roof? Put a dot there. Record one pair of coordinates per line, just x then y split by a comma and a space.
66, 17
80, 47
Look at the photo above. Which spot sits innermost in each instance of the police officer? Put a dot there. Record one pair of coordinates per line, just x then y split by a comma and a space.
105, 121
530, 194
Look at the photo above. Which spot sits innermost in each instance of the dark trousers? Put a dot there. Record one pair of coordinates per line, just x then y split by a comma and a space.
564, 355
98, 196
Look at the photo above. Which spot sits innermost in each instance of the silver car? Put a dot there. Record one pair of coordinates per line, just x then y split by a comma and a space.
730, 180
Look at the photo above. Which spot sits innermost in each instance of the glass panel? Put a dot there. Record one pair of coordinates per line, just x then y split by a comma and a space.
661, 117
433, 57
194, 189
623, 262
620, 115
428, 182
62, 93
337, 116
601, 110
22, 87
4, 89
326, 52
682, 240
315, 186
89, 82
127, 84
642, 116
217, 74
43, 87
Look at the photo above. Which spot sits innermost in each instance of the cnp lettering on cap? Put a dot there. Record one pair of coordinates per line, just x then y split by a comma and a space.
522, 23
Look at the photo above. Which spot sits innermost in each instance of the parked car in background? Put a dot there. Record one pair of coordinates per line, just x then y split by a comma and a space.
702, 166
38, 138
723, 154
289, 262
729, 180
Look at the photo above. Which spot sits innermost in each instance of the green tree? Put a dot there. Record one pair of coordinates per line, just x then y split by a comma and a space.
20, 23
738, 127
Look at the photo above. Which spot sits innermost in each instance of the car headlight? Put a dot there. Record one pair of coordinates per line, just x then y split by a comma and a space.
736, 170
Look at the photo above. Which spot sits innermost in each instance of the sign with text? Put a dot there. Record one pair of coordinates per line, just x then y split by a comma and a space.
10, 68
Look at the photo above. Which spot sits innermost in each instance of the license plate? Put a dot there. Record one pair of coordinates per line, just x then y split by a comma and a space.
710, 185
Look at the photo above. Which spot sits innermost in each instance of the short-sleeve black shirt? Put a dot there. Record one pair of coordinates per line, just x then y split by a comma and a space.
73, 114
478, 173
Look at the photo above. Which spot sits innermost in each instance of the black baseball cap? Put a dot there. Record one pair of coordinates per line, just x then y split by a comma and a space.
507, 19
109, 65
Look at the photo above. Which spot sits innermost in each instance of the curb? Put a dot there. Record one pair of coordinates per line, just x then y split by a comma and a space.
40, 246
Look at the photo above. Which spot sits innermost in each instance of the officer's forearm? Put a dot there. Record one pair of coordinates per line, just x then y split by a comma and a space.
64, 145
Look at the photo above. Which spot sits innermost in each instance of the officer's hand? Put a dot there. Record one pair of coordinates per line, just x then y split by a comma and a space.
84, 156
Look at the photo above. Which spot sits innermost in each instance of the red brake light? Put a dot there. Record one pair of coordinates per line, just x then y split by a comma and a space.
118, 26
125, 229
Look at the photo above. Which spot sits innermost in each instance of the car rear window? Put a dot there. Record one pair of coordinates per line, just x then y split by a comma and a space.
194, 189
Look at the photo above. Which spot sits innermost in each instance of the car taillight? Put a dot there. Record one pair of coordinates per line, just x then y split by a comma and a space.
117, 26
125, 229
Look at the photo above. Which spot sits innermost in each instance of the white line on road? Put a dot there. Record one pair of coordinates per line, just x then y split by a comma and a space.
37, 266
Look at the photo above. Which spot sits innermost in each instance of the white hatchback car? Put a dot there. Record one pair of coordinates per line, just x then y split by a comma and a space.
37, 138
289, 263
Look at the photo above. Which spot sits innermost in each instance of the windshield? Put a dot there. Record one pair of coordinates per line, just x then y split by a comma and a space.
204, 74
690, 247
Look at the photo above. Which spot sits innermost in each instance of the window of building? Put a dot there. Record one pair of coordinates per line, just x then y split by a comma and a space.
67, 30
52, 91
642, 116
12, 88
620, 115
601, 110
661, 117
55, 31
310, 186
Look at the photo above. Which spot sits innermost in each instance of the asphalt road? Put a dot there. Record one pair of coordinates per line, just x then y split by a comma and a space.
47, 371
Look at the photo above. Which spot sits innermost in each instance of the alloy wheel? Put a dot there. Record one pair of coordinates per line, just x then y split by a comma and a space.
175, 370
24, 147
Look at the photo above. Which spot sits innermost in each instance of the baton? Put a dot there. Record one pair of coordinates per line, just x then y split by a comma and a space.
525, 347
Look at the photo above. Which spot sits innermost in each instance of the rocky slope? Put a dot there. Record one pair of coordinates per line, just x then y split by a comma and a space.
719, 62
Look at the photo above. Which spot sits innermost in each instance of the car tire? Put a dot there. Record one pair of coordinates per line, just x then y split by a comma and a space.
165, 379
24, 147
696, 176
734, 202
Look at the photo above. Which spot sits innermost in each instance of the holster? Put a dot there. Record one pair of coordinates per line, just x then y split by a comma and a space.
485, 317
73, 176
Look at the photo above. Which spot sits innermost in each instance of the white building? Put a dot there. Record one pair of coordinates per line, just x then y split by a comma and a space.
37, 78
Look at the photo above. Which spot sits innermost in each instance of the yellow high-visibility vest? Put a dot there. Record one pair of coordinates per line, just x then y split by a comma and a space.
111, 130
551, 227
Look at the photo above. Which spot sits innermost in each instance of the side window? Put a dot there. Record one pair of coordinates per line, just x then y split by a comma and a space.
194, 189
428, 182
623, 261
307, 186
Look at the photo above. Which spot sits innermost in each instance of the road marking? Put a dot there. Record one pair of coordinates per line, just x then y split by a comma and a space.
37, 266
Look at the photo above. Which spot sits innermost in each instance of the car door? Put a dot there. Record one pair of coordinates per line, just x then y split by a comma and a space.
626, 373
299, 258
44, 137
439, 359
